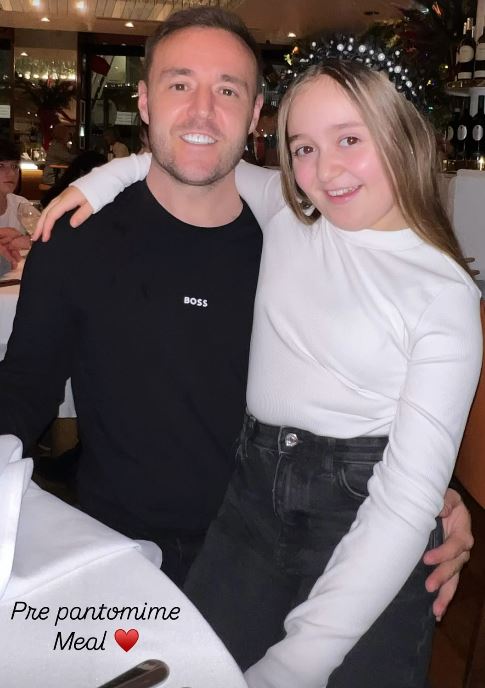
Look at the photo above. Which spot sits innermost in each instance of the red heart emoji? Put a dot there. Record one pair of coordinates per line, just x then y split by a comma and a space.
126, 639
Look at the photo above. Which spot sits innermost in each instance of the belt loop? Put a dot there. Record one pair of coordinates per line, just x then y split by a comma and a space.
247, 431
330, 454
250, 424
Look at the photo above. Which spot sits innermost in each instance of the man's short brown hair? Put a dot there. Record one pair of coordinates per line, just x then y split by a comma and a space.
203, 17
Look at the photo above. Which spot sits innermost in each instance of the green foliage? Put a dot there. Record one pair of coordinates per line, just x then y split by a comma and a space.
428, 34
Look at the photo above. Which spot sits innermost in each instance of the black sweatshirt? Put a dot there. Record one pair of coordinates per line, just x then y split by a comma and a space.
151, 318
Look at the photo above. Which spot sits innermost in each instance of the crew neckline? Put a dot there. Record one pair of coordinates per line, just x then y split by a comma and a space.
175, 219
383, 240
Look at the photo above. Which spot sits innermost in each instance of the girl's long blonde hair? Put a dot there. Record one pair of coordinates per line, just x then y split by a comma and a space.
405, 143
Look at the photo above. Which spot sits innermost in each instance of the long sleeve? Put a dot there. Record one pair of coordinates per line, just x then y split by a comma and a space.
261, 189
392, 527
103, 184
37, 362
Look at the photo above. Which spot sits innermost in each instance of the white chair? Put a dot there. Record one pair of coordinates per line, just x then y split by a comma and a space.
468, 202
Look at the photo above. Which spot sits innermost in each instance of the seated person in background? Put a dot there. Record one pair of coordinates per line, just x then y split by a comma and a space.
12, 234
57, 154
114, 148
81, 165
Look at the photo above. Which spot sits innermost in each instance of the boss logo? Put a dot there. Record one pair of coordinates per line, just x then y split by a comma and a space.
195, 302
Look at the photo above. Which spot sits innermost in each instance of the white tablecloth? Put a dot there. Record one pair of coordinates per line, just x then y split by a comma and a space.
61, 562
8, 305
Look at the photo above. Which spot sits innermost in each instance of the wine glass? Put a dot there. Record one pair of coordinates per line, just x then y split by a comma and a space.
28, 216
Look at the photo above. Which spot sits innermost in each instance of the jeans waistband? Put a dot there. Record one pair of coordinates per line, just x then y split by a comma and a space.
292, 438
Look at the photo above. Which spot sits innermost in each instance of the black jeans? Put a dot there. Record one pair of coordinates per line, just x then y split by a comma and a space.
292, 498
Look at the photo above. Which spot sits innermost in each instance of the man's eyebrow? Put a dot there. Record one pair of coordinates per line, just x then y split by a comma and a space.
185, 71
176, 71
231, 79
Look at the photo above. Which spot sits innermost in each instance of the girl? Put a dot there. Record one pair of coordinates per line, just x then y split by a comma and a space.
365, 355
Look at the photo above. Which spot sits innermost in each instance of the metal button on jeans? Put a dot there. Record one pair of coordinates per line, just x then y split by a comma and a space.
291, 439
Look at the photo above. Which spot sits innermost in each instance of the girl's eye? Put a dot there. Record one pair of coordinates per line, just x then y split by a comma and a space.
302, 151
349, 141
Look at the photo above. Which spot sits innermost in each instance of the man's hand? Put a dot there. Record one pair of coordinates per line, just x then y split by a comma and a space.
452, 555
69, 199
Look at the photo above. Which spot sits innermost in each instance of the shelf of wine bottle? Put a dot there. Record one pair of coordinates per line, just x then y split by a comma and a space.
452, 166
462, 87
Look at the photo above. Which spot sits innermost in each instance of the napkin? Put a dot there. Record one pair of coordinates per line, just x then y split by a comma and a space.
30, 556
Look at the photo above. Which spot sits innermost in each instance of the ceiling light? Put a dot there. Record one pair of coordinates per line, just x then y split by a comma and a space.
23, 54
129, 25
292, 35
35, 3
80, 5
45, 19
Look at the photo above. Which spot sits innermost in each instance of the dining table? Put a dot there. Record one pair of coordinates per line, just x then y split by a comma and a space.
81, 604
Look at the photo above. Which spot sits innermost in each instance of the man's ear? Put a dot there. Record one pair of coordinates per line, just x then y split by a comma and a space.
258, 104
143, 101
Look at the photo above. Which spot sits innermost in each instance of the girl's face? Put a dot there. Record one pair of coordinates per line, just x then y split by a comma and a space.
335, 160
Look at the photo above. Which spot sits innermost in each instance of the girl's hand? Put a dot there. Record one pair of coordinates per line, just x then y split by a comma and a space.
69, 199
452, 555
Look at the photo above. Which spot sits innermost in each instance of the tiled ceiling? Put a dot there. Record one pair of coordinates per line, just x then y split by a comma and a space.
269, 19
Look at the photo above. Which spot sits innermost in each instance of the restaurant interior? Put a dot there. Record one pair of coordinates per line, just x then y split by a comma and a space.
78, 62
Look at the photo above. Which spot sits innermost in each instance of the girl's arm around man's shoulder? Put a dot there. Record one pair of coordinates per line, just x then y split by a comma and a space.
93, 191
261, 189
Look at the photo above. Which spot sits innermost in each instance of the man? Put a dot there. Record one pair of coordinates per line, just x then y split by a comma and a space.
12, 234
156, 337
149, 309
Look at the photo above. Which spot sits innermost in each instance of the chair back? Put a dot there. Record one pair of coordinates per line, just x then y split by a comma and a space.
470, 466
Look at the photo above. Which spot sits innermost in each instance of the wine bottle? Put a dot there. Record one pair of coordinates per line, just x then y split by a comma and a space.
451, 132
462, 133
479, 71
476, 140
466, 53
457, 56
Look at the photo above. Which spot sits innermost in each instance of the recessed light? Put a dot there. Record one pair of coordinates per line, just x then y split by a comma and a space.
45, 19
129, 25
292, 35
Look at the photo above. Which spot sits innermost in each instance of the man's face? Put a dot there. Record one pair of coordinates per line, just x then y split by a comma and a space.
9, 176
200, 104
